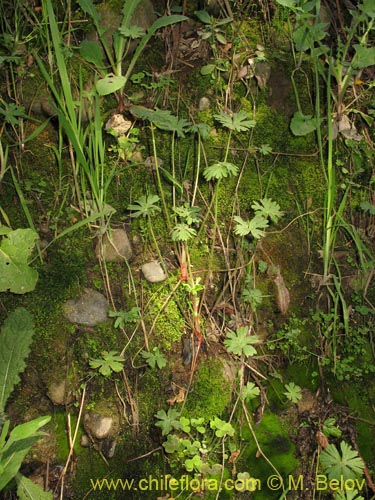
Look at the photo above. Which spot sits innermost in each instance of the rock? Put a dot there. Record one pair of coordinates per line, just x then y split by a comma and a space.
153, 272
114, 246
109, 447
85, 441
58, 394
99, 426
204, 104
89, 309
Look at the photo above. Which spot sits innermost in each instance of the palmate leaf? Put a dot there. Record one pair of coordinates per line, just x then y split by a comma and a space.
240, 342
183, 232
348, 465
190, 215
110, 362
145, 206
168, 421
268, 208
238, 122
154, 358
293, 392
220, 170
15, 340
255, 226
249, 391
162, 119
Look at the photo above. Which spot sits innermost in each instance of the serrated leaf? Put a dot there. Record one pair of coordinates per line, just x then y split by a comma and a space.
348, 465
240, 343
183, 232
220, 170
15, 273
15, 340
255, 226
250, 391
235, 121
268, 208
28, 490
168, 421
364, 56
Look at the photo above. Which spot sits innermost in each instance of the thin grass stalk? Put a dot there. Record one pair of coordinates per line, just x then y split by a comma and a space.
160, 187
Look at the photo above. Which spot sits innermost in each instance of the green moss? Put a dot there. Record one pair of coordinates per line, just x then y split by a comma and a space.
274, 441
165, 313
211, 391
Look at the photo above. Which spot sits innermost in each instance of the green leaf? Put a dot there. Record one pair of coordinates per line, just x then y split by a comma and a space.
207, 69
132, 32
15, 250
173, 444
252, 296
268, 208
168, 421
222, 428
92, 53
364, 56
109, 362
163, 119
293, 392
330, 428
20, 440
190, 215
238, 122
348, 465
255, 226
203, 16
89, 8
145, 206
183, 232
28, 490
368, 8
15, 340
290, 4
249, 391
302, 125
240, 343
109, 84
154, 358
220, 170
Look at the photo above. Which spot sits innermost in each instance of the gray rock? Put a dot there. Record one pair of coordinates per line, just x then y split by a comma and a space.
114, 246
89, 309
204, 104
58, 394
98, 426
153, 272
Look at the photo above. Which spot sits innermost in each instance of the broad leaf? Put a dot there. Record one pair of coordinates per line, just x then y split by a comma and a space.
92, 53
302, 124
28, 490
18, 445
110, 84
15, 273
249, 391
364, 56
348, 465
145, 206
15, 340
